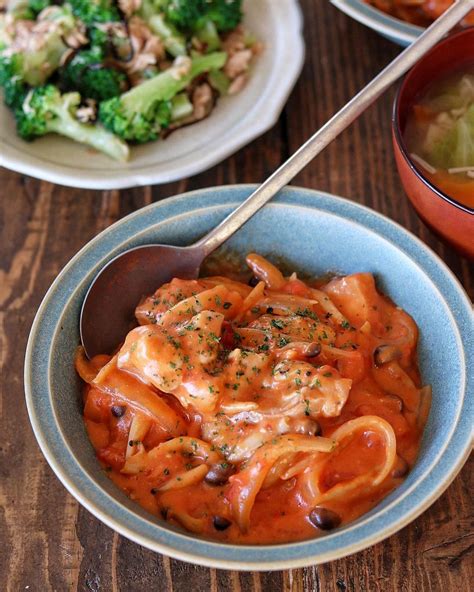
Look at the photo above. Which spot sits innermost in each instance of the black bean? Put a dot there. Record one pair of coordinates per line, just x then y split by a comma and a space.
154, 490
269, 310
219, 473
221, 523
118, 410
401, 468
253, 281
324, 519
385, 354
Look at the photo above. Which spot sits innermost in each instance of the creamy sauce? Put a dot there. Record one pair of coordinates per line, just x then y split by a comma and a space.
235, 411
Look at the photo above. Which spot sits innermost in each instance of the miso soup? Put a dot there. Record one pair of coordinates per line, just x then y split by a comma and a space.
440, 134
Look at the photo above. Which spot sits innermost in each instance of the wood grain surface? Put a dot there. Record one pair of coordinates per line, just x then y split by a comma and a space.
49, 542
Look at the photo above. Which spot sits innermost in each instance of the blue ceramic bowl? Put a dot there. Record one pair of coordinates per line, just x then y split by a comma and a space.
313, 232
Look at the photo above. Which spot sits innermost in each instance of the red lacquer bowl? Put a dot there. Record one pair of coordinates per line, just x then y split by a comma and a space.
453, 221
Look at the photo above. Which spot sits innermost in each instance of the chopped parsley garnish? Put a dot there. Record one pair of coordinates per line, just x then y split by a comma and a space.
307, 410
307, 312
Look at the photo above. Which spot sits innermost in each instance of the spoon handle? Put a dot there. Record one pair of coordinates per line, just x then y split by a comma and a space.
339, 122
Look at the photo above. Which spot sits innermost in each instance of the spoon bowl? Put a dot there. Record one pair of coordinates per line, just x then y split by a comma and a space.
107, 313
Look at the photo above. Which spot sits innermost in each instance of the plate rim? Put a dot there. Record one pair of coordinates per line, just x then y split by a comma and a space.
389, 26
260, 122
228, 563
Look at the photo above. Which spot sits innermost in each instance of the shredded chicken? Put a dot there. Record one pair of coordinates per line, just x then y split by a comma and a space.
203, 103
240, 57
238, 63
235, 41
114, 30
16, 29
128, 7
31, 36
203, 100
238, 84
148, 50
88, 112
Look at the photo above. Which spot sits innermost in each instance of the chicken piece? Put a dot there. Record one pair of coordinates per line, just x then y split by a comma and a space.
299, 388
238, 63
128, 7
203, 101
148, 50
356, 296
238, 84
152, 308
178, 358
284, 329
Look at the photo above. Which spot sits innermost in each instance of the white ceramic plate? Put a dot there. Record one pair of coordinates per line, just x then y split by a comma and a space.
235, 122
394, 29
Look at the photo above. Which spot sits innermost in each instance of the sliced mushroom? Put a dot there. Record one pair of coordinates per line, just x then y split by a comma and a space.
385, 354
401, 468
324, 519
219, 473
221, 523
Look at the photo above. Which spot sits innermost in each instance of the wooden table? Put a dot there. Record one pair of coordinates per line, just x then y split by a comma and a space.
48, 541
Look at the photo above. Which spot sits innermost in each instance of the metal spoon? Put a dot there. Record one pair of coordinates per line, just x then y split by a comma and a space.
106, 314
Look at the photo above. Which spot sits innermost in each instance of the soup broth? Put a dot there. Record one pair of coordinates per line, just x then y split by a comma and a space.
440, 134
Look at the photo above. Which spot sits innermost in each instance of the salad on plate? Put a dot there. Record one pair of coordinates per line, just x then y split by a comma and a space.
111, 74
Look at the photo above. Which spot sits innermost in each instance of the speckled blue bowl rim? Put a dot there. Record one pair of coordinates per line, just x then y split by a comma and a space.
355, 537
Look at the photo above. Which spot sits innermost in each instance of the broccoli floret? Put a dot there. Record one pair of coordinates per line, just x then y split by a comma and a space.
14, 89
181, 107
169, 19
38, 5
184, 14
32, 65
95, 11
86, 74
192, 16
26, 9
225, 14
45, 110
141, 113
152, 11
209, 35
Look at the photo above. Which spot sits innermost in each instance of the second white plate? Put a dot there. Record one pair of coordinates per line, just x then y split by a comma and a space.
394, 29
236, 121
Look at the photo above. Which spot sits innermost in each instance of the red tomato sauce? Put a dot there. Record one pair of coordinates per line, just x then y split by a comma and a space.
236, 412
